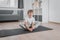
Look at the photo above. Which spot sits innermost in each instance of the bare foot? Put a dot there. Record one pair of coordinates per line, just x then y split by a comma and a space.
30, 29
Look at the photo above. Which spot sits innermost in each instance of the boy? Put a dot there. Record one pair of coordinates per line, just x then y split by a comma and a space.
29, 22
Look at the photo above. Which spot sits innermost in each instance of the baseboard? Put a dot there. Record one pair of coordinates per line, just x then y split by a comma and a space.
54, 22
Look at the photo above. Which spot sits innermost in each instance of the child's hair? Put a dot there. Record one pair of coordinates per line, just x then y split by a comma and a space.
29, 11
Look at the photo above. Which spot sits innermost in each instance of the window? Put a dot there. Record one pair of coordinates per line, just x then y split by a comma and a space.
8, 3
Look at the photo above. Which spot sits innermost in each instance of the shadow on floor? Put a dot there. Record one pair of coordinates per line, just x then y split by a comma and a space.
11, 32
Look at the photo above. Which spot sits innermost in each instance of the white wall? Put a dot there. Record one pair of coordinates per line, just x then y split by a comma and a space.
27, 6
54, 11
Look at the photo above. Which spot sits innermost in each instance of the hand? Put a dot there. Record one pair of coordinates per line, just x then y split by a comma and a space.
30, 29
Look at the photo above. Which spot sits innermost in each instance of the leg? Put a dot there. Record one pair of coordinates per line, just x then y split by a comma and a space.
37, 24
34, 26
22, 26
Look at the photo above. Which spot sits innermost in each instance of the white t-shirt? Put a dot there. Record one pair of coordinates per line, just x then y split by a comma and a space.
30, 20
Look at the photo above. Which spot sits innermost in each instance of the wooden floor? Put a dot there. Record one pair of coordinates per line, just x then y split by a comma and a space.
44, 35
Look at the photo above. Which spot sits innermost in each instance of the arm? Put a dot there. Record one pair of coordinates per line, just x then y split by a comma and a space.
25, 22
33, 23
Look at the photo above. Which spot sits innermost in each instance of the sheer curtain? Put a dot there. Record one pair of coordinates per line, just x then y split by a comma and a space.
8, 3
4, 3
14, 3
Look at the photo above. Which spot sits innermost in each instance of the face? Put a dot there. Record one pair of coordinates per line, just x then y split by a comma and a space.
30, 14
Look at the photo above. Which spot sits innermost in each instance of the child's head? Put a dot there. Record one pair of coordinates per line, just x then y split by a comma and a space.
30, 13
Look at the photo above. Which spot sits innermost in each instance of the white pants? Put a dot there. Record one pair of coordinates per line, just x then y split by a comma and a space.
37, 23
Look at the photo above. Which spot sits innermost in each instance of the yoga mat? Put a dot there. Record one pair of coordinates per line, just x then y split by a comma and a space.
19, 31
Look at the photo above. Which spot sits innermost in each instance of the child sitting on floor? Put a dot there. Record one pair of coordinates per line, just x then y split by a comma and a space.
29, 21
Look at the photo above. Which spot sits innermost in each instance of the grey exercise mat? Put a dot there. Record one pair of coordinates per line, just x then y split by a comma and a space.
12, 32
